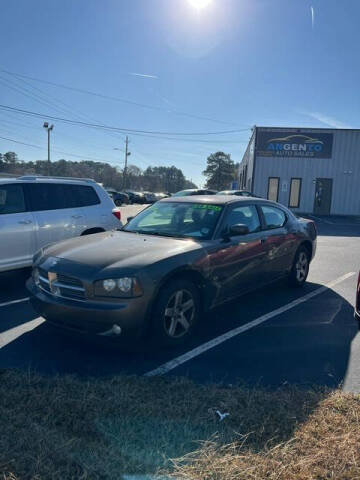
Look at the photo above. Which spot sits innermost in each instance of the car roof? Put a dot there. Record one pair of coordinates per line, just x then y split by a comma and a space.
43, 179
214, 199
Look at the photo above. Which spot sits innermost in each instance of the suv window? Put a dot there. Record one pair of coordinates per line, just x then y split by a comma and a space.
11, 199
245, 214
46, 196
56, 196
274, 217
85, 196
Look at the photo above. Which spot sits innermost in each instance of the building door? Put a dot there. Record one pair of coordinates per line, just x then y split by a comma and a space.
323, 192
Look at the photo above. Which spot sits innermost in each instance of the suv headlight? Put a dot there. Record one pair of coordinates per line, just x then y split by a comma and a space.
118, 287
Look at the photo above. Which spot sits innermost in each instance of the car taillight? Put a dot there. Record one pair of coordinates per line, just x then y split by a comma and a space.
117, 213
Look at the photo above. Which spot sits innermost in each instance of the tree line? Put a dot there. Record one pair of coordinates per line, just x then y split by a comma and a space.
219, 173
154, 179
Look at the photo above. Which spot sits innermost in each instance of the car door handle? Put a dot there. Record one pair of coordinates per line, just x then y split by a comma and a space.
263, 240
24, 222
76, 216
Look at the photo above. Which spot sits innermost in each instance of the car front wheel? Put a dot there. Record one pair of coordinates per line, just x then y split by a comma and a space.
176, 312
300, 268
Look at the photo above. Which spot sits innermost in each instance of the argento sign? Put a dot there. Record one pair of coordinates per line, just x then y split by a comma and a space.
290, 144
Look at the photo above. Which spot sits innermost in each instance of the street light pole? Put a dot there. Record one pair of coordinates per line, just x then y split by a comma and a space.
48, 128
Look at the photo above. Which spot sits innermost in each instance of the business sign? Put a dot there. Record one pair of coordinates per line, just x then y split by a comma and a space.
290, 144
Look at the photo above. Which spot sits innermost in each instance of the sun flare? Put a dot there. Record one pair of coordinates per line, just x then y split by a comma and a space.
199, 4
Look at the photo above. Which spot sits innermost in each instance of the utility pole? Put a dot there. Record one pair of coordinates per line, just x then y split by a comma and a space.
48, 128
126, 159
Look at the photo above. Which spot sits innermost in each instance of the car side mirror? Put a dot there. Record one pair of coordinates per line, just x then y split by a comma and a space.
238, 229
129, 219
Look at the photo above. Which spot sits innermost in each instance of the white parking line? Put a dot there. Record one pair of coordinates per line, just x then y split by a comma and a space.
166, 367
10, 335
12, 302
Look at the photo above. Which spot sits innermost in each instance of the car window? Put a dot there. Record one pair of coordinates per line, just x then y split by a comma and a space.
85, 196
11, 199
246, 215
176, 219
56, 196
274, 217
46, 196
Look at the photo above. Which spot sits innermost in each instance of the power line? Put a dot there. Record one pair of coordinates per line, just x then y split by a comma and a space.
55, 150
22, 143
116, 99
108, 127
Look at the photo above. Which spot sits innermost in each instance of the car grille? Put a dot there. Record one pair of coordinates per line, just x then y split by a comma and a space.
69, 287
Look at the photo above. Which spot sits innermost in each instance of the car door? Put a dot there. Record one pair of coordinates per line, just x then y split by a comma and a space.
278, 239
55, 214
17, 242
237, 262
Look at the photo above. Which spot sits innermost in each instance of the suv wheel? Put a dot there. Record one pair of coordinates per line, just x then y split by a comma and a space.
300, 268
176, 312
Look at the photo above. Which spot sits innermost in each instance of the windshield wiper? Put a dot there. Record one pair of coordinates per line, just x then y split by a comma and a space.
158, 234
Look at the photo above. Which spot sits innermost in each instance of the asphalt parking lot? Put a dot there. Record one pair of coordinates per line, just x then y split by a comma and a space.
271, 337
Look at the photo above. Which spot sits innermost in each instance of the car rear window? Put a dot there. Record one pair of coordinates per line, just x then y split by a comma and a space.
11, 199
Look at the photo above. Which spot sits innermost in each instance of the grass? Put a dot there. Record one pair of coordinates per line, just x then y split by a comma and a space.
71, 428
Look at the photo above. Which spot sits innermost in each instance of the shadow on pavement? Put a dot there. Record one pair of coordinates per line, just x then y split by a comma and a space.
309, 344
336, 226
12, 284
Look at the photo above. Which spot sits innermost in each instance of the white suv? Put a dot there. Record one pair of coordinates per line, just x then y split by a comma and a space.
37, 211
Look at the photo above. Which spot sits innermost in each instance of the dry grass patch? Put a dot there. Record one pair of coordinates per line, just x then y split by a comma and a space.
71, 428
325, 446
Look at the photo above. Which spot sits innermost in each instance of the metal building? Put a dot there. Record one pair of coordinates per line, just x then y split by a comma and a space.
310, 170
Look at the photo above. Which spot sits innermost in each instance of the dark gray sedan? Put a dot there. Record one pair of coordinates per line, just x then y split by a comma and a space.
169, 264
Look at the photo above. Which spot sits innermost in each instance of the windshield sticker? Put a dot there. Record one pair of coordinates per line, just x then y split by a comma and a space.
204, 206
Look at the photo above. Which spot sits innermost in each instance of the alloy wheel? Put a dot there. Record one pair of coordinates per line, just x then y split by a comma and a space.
179, 313
301, 267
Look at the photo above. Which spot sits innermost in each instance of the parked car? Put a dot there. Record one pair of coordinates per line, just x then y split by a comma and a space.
193, 191
135, 197
38, 211
239, 193
119, 198
161, 195
150, 197
175, 260
357, 300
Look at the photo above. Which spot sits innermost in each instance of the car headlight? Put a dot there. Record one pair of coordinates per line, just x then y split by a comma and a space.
118, 287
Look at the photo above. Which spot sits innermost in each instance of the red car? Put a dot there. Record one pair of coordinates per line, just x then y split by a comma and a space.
357, 300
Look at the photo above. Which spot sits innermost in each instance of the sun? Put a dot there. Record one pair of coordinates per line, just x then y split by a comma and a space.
199, 4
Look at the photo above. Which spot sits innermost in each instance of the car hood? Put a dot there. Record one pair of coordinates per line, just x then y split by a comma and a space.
119, 249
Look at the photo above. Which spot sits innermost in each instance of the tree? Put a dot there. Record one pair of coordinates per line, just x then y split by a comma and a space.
155, 179
220, 171
10, 158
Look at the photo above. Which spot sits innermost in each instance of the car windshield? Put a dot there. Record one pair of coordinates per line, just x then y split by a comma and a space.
177, 219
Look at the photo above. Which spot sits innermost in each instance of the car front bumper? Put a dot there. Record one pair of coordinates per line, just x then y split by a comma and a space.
90, 317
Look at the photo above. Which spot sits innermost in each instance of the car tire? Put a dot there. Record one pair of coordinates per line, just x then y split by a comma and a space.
176, 312
300, 268
118, 203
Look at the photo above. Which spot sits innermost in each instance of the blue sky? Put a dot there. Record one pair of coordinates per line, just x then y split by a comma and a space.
229, 66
